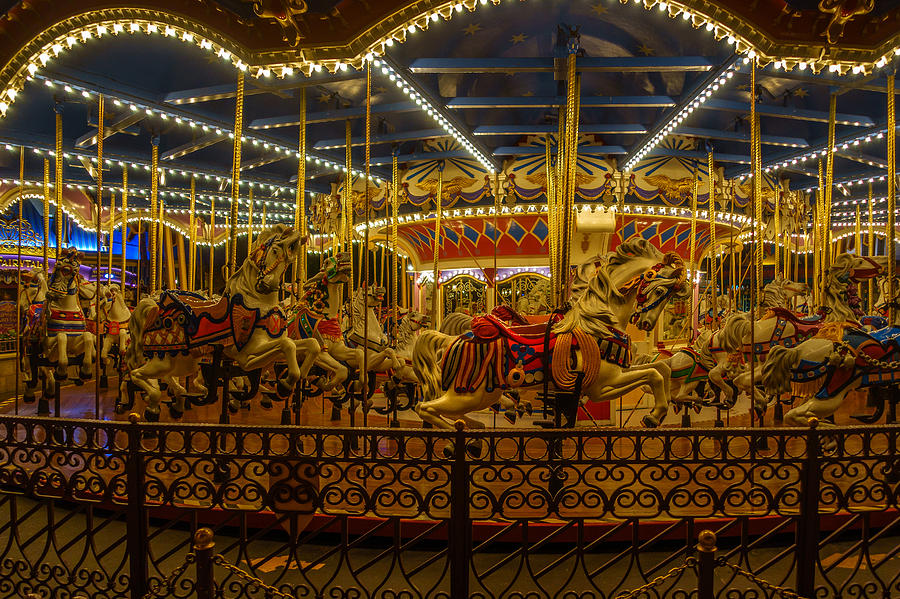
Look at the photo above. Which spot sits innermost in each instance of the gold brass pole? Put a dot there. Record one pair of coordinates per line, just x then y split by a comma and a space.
890, 248
236, 173
436, 314
249, 221
212, 241
19, 256
99, 206
154, 191
124, 232
46, 213
300, 208
192, 240
395, 221
871, 252
58, 182
693, 249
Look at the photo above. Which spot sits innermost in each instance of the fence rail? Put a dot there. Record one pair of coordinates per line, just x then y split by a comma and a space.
109, 509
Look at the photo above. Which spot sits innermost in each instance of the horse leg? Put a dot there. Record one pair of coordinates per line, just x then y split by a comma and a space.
176, 409
814, 407
310, 349
87, 361
62, 356
146, 378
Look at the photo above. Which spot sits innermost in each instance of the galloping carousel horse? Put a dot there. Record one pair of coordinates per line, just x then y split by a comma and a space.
585, 352
373, 339
842, 357
781, 327
114, 317
32, 293
712, 356
170, 335
56, 331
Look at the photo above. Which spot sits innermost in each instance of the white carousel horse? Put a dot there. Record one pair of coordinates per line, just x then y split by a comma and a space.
114, 317
372, 338
842, 357
781, 327
469, 373
59, 331
711, 356
169, 335
34, 289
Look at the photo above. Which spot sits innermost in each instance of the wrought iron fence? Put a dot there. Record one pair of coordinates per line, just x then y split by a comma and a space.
109, 509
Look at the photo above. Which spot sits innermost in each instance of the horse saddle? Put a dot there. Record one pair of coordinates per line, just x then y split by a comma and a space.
882, 344
357, 340
800, 322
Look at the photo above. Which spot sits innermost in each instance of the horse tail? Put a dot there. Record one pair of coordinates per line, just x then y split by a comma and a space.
136, 326
426, 360
736, 328
776, 370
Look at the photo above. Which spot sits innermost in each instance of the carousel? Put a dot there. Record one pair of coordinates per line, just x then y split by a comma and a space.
449, 299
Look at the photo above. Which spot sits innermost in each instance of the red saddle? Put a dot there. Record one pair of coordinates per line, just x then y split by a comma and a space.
802, 324
490, 327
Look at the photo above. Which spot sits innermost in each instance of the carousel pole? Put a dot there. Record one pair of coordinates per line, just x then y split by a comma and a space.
829, 183
395, 218
19, 256
124, 232
365, 256
693, 255
58, 182
496, 211
347, 210
161, 242
212, 241
756, 257
889, 248
300, 206
112, 229
250, 221
192, 240
871, 252
573, 93
776, 221
551, 220
558, 193
731, 277
154, 198
819, 232
236, 173
99, 205
46, 213
710, 172
438, 212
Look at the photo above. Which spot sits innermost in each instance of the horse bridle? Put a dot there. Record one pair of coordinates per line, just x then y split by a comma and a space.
643, 280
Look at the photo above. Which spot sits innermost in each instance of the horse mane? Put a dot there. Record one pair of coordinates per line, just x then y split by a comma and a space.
773, 294
834, 286
405, 332
590, 312
634, 248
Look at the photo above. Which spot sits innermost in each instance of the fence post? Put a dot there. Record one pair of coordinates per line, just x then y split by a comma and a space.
203, 554
460, 532
808, 522
706, 564
136, 517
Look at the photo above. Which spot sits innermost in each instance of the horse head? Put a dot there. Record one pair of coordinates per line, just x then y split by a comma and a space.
65, 274
272, 252
417, 320
658, 285
375, 296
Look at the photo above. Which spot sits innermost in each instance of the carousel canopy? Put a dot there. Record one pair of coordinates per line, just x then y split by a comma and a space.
469, 89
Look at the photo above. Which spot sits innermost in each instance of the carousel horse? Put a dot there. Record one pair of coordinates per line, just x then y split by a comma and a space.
781, 327
411, 324
583, 350
318, 303
842, 357
712, 357
32, 293
114, 317
709, 358
172, 332
366, 301
57, 330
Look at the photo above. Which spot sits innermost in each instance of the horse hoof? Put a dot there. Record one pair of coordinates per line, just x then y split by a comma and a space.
650, 421
121, 408
151, 416
43, 407
78, 382
233, 406
448, 451
28, 396
335, 413
175, 413
104, 382
265, 403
